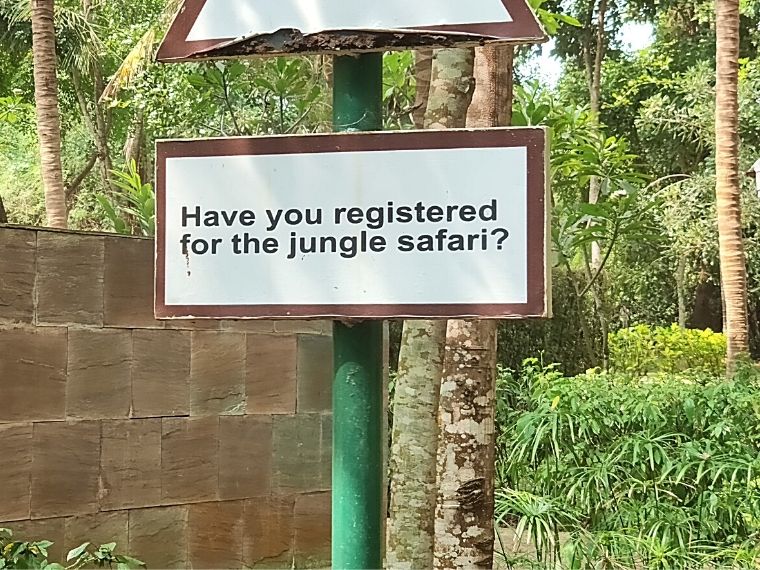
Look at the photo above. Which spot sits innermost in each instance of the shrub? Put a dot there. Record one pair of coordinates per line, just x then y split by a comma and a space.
642, 350
30, 555
652, 472
134, 210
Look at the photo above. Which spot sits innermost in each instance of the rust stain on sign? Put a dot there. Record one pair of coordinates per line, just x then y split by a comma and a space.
293, 41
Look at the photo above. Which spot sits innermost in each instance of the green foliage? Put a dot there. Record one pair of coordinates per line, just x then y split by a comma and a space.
399, 89
34, 555
619, 471
551, 21
557, 339
134, 210
644, 349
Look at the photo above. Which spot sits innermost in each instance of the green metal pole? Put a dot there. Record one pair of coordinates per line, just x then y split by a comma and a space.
358, 399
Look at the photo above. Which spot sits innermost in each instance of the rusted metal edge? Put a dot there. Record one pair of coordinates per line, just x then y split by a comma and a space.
292, 41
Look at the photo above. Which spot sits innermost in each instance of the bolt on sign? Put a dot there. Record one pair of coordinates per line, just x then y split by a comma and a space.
216, 29
415, 224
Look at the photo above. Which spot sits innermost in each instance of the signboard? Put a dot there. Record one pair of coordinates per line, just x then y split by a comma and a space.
428, 224
206, 29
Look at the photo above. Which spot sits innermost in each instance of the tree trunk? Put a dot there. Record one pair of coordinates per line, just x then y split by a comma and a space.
681, 290
4, 215
99, 123
595, 97
464, 524
134, 147
415, 412
423, 67
464, 531
451, 88
48, 117
492, 100
102, 128
414, 445
728, 189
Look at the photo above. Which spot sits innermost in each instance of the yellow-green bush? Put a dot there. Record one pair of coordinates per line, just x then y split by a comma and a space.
644, 350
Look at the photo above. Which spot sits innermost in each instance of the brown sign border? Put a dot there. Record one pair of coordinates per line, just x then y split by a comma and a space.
524, 28
534, 139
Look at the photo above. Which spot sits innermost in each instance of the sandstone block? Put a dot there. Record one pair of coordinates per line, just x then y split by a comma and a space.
97, 529
248, 326
215, 535
158, 536
271, 374
99, 367
302, 327
38, 530
131, 464
193, 324
69, 279
17, 258
315, 373
245, 456
299, 454
160, 373
65, 468
189, 460
268, 532
217, 373
16, 471
312, 530
129, 283
32, 374
325, 451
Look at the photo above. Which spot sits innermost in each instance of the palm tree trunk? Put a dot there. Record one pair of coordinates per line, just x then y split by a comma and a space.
728, 189
48, 117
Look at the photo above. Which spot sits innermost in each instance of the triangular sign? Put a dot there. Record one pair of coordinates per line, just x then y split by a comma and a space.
211, 28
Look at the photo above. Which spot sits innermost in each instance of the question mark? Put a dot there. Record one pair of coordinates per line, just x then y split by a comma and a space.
504, 235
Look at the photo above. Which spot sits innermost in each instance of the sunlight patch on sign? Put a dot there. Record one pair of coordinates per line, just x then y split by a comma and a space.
242, 18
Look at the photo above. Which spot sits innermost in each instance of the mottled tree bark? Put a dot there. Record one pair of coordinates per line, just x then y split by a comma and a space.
464, 527
48, 115
423, 67
451, 88
415, 412
414, 445
728, 189
464, 531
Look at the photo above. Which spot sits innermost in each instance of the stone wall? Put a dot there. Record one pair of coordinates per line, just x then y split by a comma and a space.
190, 444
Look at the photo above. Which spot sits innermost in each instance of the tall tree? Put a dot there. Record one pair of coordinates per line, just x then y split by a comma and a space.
728, 189
423, 68
464, 522
48, 116
414, 445
444, 83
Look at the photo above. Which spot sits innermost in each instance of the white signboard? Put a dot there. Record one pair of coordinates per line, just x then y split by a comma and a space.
205, 25
426, 224
224, 19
